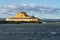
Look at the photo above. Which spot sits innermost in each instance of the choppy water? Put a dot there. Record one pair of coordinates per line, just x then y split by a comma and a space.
29, 31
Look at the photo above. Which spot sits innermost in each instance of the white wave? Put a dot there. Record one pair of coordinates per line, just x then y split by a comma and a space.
53, 32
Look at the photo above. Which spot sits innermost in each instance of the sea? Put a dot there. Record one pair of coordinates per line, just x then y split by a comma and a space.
30, 31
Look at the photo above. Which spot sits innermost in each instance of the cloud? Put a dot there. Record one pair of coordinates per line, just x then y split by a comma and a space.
44, 15
31, 9
25, 5
32, 5
2, 10
13, 6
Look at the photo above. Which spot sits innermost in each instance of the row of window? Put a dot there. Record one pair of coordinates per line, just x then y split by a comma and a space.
21, 19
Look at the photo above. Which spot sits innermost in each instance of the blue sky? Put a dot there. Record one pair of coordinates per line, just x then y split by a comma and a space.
10, 6
49, 3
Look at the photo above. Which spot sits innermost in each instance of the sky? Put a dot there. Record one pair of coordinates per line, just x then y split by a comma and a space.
48, 3
10, 6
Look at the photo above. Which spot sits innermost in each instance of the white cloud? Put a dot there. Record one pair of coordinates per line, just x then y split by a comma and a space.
13, 6
32, 5
2, 10
47, 16
42, 15
25, 5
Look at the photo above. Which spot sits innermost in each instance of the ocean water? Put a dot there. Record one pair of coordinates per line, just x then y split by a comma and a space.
30, 31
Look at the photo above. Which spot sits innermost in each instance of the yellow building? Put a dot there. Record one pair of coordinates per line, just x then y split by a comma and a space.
22, 17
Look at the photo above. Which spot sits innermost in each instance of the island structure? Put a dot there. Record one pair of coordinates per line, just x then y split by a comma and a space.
22, 17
